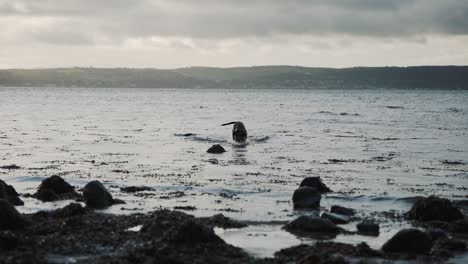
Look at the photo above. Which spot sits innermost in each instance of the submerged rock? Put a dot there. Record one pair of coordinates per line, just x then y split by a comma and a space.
336, 209
306, 198
434, 208
132, 189
9, 193
216, 149
368, 228
97, 196
335, 218
311, 224
315, 182
409, 240
10, 218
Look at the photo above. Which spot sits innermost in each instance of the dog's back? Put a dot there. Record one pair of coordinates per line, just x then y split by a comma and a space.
239, 133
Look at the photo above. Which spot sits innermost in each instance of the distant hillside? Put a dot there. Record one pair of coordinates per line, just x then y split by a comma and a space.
423, 77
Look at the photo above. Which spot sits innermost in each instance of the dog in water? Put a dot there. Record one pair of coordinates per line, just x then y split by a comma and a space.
239, 133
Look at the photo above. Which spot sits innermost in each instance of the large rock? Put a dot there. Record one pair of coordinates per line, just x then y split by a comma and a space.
192, 232
410, 241
9, 193
55, 188
57, 184
10, 218
434, 208
216, 149
306, 198
311, 224
443, 246
315, 182
97, 196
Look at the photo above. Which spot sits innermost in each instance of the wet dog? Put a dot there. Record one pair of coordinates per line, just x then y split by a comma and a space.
239, 133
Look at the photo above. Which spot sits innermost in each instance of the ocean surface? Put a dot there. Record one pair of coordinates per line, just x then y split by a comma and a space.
376, 149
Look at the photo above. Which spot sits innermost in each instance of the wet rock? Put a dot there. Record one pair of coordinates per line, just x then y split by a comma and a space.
8, 241
46, 195
436, 234
410, 241
9, 193
10, 218
192, 232
56, 184
434, 208
10, 167
326, 252
216, 149
222, 221
162, 221
306, 198
55, 188
97, 196
335, 218
444, 246
368, 228
315, 182
132, 189
311, 224
336, 209
72, 209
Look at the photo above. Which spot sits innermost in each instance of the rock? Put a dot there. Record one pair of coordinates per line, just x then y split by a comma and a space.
192, 232
55, 188
9, 193
216, 149
434, 208
97, 196
335, 218
8, 241
368, 228
311, 224
132, 189
315, 182
409, 240
306, 198
436, 234
46, 195
10, 218
336, 209
443, 245
222, 221
56, 184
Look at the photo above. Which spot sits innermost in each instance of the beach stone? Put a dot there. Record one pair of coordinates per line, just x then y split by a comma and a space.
192, 232
368, 228
335, 218
336, 209
315, 182
132, 189
10, 218
9, 193
46, 195
306, 198
433, 208
311, 224
409, 240
56, 184
216, 149
96, 195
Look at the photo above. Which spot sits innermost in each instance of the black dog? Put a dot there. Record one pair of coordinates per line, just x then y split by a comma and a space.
239, 133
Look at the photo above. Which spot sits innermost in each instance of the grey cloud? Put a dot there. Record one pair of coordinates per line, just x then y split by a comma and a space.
92, 20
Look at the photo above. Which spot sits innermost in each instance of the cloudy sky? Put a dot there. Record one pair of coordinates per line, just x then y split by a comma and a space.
177, 33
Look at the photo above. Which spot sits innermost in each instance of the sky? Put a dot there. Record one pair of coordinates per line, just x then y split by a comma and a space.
229, 33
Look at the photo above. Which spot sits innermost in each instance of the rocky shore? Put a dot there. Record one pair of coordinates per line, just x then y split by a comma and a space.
78, 233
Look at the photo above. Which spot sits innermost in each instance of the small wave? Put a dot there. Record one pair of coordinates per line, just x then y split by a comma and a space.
261, 139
